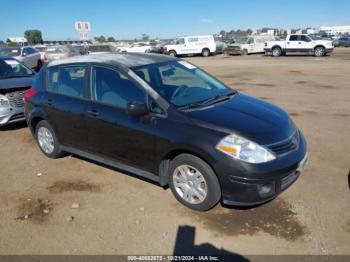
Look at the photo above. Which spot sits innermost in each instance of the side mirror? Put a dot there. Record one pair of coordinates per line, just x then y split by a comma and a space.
137, 109
24, 54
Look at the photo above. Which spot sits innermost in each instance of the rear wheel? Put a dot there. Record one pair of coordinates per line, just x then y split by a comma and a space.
194, 183
47, 140
276, 51
205, 52
39, 65
320, 51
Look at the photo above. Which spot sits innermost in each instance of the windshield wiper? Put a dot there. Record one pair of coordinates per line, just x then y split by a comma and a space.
218, 98
210, 101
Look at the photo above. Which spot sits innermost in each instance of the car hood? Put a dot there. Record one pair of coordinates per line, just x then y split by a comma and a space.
249, 117
18, 82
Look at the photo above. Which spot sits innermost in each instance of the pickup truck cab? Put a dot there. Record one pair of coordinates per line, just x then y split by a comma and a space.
299, 43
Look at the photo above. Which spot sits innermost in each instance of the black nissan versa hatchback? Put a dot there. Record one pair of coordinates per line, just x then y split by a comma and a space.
168, 121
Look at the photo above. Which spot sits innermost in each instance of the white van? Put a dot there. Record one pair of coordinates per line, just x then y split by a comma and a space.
192, 45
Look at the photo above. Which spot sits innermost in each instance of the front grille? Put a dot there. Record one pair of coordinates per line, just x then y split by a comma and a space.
16, 98
287, 145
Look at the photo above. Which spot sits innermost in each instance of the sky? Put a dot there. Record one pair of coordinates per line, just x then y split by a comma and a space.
129, 19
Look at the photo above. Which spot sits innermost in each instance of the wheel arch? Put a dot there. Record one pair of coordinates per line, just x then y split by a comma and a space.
320, 45
164, 162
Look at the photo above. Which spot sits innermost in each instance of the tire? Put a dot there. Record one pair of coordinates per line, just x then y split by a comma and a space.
202, 185
172, 53
205, 52
276, 51
244, 52
39, 65
319, 51
44, 130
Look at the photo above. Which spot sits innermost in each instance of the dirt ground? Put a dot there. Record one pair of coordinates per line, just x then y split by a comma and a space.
115, 213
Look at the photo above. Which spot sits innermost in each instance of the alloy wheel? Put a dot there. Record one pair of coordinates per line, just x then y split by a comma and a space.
45, 139
190, 184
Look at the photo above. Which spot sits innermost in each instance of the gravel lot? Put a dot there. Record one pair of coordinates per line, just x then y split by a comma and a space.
77, 207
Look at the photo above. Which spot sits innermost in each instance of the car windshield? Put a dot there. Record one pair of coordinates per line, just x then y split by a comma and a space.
11, 51
181, 83
11, 68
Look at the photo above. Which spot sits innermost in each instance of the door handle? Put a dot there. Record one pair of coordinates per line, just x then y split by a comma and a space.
299, 43
49, 102
93, 113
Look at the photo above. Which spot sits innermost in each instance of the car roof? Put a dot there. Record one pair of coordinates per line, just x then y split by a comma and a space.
122, 59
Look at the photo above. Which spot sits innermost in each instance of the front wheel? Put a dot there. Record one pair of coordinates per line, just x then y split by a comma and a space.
320, 51
244, 52
47, 140
194, 183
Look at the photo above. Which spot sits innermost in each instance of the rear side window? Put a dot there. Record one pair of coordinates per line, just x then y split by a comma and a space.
293, 38
52, 79
72, 80
67, 80
114, 88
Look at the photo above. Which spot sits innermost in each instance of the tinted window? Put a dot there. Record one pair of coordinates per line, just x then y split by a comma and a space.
72, 80
114, 88
305, 38
293, 38
52, 79
10, 68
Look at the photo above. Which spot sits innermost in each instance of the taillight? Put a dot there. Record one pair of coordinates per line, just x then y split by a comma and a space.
46, 58
29, 94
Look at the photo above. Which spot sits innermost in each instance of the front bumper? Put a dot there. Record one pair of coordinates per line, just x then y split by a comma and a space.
10, 115
245, 184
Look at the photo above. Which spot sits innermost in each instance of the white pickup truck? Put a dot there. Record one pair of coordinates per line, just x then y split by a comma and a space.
299, 44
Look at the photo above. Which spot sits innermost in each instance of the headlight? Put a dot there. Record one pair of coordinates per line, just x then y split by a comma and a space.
245, 150
4, 101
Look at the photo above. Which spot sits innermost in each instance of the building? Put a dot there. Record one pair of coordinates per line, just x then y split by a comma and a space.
336, 30
18, 40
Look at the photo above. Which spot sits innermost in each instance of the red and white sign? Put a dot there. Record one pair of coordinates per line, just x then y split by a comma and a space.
83, 29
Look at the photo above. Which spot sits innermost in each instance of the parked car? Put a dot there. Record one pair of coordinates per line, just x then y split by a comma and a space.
157, 117
299, 44
250, 45
60, 52
136, 48
15, 79
342, 41
192, 45
100, 49
26, 54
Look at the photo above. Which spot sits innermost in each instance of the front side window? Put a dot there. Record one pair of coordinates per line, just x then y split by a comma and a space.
305, 38
181, 83
180, 41
114, 88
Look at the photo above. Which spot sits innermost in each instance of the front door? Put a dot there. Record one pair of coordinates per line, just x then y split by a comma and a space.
112, 132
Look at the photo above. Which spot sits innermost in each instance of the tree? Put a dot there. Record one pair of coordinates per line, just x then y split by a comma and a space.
10, 43
110, 39
100, 39
33, 36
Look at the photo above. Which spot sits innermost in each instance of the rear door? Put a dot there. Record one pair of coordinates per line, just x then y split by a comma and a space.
292, 45
112, 132
65, 103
